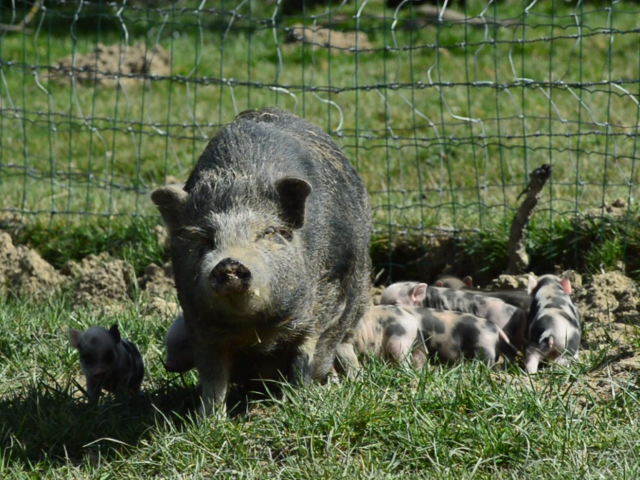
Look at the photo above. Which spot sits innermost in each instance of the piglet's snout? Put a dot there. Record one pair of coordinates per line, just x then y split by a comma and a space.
230, 276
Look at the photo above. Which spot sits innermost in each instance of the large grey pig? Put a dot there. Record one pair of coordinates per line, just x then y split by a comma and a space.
412, 333
270, 249
554, 322
108, 361
512, 320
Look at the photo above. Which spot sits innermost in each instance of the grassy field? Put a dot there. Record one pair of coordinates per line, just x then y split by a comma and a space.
443, 138
462, 422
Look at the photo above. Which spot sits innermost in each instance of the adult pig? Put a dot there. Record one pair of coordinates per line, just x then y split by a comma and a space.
269, 243
554, 322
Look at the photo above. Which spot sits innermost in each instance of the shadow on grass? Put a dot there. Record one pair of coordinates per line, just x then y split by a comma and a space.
46, 422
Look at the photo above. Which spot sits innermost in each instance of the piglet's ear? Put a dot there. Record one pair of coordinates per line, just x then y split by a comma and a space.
115, 333
468, 281
293, 193
74, 337
531, 285
418, 294
171, 203
566, 285
439, 284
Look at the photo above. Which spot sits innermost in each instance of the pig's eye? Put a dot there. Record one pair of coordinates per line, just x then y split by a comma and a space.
286, 233
267, 232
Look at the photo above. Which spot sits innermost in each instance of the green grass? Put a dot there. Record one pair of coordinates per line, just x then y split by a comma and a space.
421, 175
461, 422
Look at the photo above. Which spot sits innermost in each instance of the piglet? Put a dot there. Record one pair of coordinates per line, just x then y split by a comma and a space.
413, 334
512, 320
179, 348
108, 362
554, 322
449, 281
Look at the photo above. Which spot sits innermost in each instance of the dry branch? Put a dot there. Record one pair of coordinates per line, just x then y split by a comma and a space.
518, 258
21, 27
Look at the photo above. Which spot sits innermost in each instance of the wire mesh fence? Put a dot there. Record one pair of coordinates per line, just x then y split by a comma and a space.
443, 107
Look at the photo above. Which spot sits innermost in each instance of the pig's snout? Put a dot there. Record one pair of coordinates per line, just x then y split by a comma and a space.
230, 276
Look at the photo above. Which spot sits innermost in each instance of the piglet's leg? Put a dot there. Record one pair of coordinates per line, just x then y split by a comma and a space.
93, 389
532, 359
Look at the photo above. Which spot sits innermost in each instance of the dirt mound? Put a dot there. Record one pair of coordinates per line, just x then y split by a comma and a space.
77, 269
107, 65
160, 307
327, 38
610, 297
157, 281
109, 282
24, 272
509, 282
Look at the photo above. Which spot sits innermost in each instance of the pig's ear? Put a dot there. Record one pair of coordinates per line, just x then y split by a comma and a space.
115, 333
439, 283
293, 193
566, 285
171, 203
531, 285
418, 294
468, 281
74, 337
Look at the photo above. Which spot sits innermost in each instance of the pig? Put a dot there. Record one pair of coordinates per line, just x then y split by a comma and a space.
108, 362
554, 322
449, 281
512, 320
517, 298
270, 248
414, 333
179, 348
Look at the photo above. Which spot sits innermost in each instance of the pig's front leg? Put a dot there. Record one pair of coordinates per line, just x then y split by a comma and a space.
214, 368
347, 360
94, 388
301, 366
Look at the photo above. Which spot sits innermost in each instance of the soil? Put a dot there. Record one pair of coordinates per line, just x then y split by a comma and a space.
24, 272
107, 65
610, 297
321, 37
106, 283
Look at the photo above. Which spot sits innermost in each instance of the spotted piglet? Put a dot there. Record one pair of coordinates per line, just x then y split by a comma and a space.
179, 347
512, 320
554, 322
411, 333
386, 332
108, 362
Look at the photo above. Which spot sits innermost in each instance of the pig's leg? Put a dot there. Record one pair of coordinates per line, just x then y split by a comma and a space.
301, 368
93, 389
347, 360
214, 371
532, 359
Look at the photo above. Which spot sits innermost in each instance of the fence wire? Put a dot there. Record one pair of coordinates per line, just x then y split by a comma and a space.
443, 107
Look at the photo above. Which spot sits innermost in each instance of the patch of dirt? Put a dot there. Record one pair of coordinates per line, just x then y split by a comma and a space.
610, 297
160, 307
615, 210
77, 269
321, 37
158, 281
24, 272
110, 282
509, 282
107, 65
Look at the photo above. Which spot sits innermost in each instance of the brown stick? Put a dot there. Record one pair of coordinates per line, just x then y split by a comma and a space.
518, 258
25, 21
